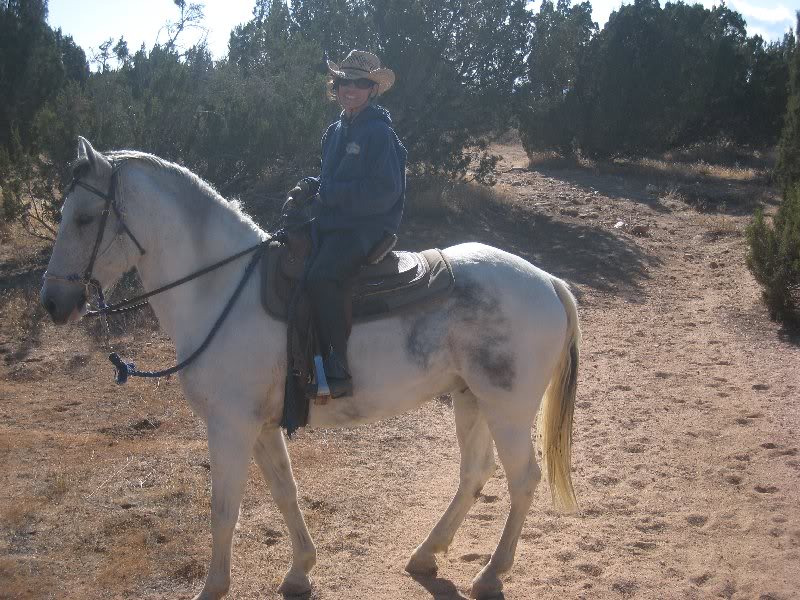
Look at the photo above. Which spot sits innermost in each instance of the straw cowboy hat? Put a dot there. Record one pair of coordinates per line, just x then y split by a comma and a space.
363, 65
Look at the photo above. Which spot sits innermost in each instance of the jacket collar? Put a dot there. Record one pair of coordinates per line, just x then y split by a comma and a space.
370, 112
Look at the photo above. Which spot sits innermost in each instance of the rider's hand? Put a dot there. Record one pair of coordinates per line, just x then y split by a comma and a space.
300, 194
295, 194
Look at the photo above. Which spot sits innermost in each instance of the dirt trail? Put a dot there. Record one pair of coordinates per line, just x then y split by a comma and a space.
686, 460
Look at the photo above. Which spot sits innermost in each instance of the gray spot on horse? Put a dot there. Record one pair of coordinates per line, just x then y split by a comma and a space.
425, 337
496, 363
488, 351
474, 315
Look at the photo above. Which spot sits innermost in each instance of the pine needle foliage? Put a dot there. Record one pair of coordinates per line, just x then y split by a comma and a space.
774, 257
774, 249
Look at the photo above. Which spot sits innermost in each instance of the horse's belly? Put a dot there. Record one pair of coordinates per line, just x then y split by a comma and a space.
370, 404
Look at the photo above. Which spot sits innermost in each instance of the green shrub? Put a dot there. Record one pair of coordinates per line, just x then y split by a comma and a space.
788, 167
774, 257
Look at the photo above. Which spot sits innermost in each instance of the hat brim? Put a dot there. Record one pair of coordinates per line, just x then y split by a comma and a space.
382, 76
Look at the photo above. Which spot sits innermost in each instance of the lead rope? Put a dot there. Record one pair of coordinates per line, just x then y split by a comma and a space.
104, 321
128, 369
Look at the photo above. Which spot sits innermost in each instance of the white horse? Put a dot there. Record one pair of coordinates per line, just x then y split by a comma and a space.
503, 342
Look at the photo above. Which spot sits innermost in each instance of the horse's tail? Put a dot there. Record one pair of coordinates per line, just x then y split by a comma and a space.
554, 424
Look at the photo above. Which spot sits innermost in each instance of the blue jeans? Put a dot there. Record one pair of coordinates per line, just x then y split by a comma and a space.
339, 257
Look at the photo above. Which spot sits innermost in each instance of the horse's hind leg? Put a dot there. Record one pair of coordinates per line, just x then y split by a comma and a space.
515, 450
271, 455
477, 466
230, 446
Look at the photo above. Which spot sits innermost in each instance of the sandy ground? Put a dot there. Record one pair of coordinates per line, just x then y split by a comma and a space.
686, 462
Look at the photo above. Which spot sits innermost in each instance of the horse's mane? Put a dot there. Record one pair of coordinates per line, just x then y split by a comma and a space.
197, 182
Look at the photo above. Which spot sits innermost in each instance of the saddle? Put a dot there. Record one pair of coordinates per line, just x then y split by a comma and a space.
389, 283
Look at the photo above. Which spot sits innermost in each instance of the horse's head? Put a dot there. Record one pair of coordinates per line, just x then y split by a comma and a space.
91, 248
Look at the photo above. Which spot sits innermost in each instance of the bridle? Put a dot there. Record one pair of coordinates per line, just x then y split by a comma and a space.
126, 369
87, 280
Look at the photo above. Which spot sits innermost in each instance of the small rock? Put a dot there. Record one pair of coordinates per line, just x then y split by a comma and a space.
619, 224
570, 212
714, 264
78, 361
697, 520
760, 387
641, 230
145, 424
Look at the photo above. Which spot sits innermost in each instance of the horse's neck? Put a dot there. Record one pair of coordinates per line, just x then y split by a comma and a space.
187, 229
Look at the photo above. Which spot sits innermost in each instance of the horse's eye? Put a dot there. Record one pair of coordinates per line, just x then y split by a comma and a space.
83, 220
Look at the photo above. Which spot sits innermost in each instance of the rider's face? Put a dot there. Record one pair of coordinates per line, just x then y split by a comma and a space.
352, 95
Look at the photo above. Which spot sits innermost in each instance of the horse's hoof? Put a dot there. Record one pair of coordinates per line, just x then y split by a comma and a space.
210, 594
422, 563
486, 586
296, 583
207, 596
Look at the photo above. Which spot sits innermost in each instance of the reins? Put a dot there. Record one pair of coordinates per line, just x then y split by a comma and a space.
128, 369
130, 304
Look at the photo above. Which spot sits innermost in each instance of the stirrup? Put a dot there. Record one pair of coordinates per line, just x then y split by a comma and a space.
333, 387
323, 391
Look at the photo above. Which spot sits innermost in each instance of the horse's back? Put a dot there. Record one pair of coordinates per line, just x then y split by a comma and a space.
502, 274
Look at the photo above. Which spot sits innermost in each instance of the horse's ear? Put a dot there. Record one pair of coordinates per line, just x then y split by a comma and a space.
89, 160
85, 151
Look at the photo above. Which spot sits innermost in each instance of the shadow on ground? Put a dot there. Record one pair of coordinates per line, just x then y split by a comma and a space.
645, 185
577, 252
442, 589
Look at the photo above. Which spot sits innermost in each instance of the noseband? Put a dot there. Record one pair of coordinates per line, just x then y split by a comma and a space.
87, 280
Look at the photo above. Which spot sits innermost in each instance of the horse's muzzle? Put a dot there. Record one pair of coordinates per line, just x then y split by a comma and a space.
64, 303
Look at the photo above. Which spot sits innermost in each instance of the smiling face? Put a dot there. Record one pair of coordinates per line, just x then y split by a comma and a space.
354, 95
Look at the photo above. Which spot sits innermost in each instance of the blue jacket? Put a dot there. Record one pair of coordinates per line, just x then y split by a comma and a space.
362, 185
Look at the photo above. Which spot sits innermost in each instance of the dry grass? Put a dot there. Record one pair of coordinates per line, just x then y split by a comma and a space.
550, 159
56, 485
721, 225
438, 197
699, 169
722, 151
17, 516
127, 562
722, 161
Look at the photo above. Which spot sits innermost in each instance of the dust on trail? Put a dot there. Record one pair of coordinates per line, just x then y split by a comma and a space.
686, 461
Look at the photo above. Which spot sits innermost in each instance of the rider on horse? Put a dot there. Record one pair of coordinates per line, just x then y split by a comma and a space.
356, 201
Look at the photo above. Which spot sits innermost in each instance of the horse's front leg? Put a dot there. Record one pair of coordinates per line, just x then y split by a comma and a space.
230, 446
272, 457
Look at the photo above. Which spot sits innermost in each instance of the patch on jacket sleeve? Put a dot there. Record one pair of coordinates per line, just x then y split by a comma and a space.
353, 148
